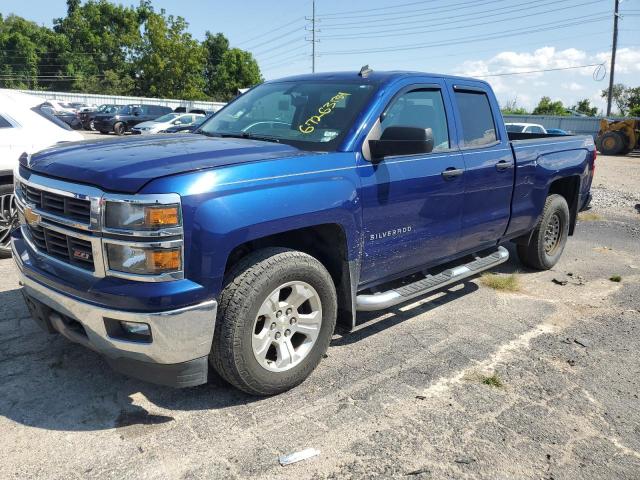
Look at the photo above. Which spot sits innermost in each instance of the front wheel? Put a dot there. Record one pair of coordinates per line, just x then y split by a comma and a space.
119, 128
549, 237
276, 316
8, 218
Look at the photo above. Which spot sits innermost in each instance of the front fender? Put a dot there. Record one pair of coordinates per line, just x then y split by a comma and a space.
226, 207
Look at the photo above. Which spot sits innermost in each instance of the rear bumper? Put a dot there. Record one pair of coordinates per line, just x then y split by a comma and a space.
585, 202
176, 354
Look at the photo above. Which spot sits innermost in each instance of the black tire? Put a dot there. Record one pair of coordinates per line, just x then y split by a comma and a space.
91, 126
119, 129
247, 285
611, 143
8, 218
538, 254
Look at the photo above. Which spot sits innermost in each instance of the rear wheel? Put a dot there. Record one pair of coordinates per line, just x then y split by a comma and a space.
549, 237
611, 143
8, 218
92, 126
275, 320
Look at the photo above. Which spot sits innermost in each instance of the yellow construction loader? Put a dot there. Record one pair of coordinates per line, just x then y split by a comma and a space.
618, 137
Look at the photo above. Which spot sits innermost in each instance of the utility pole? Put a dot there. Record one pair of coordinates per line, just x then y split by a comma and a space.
614, 47
313, 40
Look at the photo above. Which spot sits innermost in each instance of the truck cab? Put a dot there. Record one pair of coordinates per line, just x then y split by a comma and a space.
300, 203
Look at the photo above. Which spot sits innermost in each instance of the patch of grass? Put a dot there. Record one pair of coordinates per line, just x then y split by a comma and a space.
507, 283
589, 217
492, 380
615, 278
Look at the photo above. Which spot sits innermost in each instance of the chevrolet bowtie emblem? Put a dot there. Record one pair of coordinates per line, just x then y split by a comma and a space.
31, 217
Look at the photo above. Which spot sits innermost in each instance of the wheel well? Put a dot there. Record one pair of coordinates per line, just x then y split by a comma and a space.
327, 243
569, 188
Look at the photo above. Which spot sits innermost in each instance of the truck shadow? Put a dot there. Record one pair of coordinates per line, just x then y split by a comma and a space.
50, 383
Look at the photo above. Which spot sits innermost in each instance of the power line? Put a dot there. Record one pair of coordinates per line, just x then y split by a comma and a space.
376, 9
262, 35
412, 14
428, 29
504, 74
474, 38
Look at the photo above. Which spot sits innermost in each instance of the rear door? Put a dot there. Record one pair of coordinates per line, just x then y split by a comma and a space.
489, 165
411, 211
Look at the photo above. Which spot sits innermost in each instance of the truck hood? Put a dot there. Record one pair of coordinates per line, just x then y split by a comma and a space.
126, 165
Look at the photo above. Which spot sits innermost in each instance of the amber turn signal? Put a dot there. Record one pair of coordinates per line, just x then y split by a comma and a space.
162, 217
164, 260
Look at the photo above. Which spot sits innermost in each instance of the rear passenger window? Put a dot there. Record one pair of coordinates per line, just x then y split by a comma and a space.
422, 109
4, 123
478, 127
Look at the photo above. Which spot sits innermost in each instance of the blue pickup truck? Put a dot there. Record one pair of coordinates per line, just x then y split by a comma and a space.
302, 202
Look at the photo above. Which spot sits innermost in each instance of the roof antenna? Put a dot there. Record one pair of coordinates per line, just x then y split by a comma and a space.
365, 71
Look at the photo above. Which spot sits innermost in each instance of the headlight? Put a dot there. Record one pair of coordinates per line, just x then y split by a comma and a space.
142, 260
139, 216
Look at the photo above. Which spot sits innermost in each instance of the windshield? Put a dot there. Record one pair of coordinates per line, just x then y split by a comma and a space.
46, 112
515, 128
167, 118
308, 115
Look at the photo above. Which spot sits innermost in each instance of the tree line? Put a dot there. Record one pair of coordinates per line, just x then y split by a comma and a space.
626, 100
101, 47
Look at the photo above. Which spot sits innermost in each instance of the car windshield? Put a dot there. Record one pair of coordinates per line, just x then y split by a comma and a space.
309, 115
167, 118
515, 128
46, 112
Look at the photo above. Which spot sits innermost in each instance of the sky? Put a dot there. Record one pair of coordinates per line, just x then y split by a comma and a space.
481, 38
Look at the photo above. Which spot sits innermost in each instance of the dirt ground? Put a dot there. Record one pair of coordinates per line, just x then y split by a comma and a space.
537, 383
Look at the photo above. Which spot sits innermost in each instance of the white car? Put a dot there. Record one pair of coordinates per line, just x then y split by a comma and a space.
23, 128
59, 106
166, 121
525, 128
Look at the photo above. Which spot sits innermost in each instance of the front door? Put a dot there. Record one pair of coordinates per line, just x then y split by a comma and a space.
411, 210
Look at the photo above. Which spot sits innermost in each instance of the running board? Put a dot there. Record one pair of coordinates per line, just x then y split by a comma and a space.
382, 300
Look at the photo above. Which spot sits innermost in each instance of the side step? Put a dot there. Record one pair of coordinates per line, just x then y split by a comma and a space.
381, 300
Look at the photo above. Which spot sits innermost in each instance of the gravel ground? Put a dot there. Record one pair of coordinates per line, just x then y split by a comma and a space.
541, 383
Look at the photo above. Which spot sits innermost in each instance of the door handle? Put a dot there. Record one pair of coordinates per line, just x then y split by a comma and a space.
503, 165
452, 172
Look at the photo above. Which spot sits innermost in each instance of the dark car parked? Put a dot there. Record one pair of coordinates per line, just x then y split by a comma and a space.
87, 117
126, 117
70, 118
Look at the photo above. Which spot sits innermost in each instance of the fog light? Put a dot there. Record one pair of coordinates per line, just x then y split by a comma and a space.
134, 328
129, 331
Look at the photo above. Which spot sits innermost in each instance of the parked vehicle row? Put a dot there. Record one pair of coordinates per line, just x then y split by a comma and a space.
169, 120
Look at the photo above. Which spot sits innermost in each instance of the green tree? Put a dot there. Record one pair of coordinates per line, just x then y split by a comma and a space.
547, 107
215, 47
238, 69
170, 63
620, 97
584, 106
511, 108
30, 55
101, 39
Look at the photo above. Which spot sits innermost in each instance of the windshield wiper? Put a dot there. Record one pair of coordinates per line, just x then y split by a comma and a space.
248, 136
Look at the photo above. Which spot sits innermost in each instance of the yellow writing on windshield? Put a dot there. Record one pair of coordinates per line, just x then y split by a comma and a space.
326, 109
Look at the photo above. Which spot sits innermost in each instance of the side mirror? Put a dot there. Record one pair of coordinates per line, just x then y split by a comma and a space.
401, 140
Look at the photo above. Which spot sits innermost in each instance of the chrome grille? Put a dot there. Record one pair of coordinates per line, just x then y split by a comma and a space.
61, 205
72, 250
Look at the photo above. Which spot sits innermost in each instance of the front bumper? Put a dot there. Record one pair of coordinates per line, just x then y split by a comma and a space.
180, 339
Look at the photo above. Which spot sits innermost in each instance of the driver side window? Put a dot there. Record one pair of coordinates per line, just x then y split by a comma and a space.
420, 109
